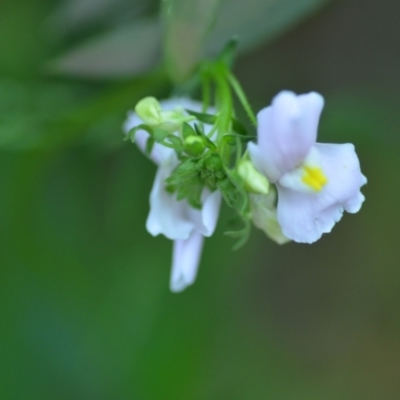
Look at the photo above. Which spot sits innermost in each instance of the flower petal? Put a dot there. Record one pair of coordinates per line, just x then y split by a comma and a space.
167, 215
206, 219
185, 261
305, 217
286, 132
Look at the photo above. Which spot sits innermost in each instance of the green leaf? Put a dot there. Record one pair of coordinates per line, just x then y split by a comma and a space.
203, 117
188, 131
257, 21
229, 51
194, 195
187, 23
132, 133
230, 139
173, 142
126, 51
228, 191
149, 145
160, 134
238, 127
186, 170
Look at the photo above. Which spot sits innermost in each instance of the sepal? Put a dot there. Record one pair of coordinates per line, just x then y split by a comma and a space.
253, 181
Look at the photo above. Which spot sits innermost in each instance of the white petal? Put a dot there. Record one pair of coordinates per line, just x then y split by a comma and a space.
305, 217
167, 215
205, 220
295, 179
286, 132
185, 261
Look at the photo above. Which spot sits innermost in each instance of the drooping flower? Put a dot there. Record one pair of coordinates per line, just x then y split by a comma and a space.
316, 182
176, 220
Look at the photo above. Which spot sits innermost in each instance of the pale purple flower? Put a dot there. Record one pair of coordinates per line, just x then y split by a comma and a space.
177, 220
316, 182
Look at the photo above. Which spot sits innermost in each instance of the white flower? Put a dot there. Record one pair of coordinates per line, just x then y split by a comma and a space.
177, 220
316, 182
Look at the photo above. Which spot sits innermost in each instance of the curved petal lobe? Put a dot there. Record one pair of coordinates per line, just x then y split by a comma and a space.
167, 215
185, 261
205, 220
305, 217
286, 132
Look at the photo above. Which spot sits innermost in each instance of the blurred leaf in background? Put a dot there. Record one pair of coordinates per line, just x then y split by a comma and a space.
186, 26
128, 50
257, 21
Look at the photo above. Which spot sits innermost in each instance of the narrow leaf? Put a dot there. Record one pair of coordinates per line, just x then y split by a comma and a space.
228, 53
132, 133
160, 134
149, 145
238, 127
202, 117
187, 130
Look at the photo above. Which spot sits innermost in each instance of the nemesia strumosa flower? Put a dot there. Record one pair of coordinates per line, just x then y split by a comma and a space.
316, 182
176, 220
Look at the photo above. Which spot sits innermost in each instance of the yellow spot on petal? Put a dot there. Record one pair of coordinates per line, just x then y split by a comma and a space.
314, 177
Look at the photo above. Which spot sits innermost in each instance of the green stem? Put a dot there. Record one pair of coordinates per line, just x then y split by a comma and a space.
212, 131
206, 93
241, 96
225, 103
238, 150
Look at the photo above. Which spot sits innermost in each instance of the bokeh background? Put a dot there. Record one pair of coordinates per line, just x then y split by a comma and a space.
85, 308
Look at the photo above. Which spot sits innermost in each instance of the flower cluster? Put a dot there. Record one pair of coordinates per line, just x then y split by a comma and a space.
285, 183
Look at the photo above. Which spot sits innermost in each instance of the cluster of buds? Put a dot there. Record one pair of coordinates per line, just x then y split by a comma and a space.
281, 181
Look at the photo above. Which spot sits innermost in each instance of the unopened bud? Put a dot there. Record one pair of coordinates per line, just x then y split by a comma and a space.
254, 182
194, 145
265, 218
149, 111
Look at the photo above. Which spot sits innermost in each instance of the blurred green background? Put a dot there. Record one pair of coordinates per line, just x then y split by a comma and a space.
85, 308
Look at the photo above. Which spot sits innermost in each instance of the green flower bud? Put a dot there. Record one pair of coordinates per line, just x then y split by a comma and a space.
254, 182
264, 216
149, 111
194, 146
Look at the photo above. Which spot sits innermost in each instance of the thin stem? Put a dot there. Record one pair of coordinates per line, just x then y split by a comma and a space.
225, 105
238, 150
212, 131
206, 93
241, 96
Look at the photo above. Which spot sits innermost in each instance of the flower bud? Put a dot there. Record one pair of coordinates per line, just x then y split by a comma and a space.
194, 145
254, 182
264, 216
149, 111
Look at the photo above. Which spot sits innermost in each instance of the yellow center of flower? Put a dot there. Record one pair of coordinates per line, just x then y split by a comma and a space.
314, 177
